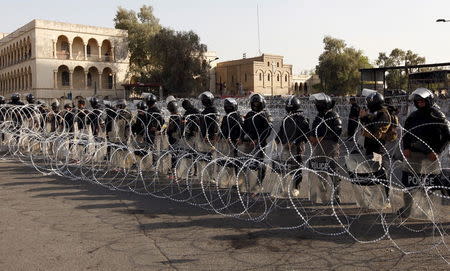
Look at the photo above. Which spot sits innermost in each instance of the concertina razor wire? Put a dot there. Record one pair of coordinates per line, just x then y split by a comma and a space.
287, 186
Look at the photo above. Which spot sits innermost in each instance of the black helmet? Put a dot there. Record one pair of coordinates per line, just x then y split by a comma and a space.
172, 107
230, 105
374, 101
257, 102
207, 98
292, 104
30, 98
2, 100
15, 97
422, 94
322, 101
151, 100
186, 104
142, 106
68, 105
55, 105
121, 104
108, 104
94, 102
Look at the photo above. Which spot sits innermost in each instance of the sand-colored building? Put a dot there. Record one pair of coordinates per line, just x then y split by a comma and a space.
265, 74
303, 84
52, 59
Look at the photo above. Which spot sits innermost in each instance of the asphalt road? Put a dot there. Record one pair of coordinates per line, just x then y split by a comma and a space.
52, 223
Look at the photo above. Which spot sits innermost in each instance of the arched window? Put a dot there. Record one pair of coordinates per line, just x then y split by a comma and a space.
278, 64
110, 81
88, 50
268, 64
65, 78
285, 78
278, 78
89, 80
260, 77
268, 77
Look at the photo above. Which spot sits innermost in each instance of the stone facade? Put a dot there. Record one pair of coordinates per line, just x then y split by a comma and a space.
265, 74
211, 58
52, 59
303, 84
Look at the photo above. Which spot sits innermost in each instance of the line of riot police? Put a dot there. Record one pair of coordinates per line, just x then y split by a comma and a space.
254, 150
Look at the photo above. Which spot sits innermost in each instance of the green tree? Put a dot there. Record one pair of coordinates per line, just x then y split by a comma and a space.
159, 54
398, 79
179, 63
339, 66
141, 26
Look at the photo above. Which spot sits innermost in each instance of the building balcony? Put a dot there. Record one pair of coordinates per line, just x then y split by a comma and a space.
62, 55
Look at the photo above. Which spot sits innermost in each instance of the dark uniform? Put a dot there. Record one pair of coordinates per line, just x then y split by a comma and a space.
155, 118
257, 128
376, 124
208, 120
293, 134
353, 118
190, 118
326, 130
427, 133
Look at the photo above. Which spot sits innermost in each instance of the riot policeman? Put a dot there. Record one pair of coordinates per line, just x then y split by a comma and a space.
53, 117
174, 130
256, 130
427, 133
15, 99
293, 135
94, 117
175, 126
30, 98
232, 122
80, 114
156, 120
69, 118
376, 122
190, 119
353, 117
325, 133
257, 123
208, 123
141, 124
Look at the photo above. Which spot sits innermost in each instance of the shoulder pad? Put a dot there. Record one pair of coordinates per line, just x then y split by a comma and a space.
437, 114
332, 114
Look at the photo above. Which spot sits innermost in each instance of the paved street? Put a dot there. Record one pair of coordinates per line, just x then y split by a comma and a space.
51, 223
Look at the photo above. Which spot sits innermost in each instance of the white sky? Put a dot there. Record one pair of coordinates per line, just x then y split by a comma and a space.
293, 28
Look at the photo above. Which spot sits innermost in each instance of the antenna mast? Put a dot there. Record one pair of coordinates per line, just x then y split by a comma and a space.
259, 36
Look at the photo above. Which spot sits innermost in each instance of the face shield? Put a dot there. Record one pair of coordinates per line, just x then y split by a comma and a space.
422, 98
421, 92
366, 92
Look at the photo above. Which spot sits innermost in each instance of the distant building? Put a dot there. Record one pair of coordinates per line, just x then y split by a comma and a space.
265, 74
52, 59
211, 58
303, 84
